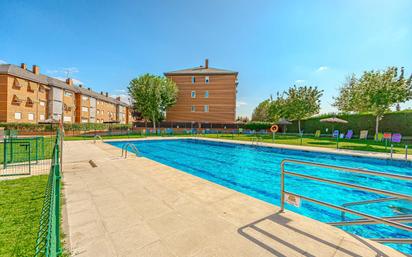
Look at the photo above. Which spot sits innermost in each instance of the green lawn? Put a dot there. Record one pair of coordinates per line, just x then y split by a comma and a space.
21, 152
352, 144
21, 201
74, 138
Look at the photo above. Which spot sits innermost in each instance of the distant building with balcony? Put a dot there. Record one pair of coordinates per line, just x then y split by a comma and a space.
28, 96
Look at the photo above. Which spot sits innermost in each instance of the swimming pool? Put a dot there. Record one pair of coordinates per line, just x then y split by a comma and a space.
255, 171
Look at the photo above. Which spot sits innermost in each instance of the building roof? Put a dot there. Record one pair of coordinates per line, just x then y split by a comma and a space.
202, 70
46, 80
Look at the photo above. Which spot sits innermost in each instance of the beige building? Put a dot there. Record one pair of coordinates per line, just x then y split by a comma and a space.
28, 96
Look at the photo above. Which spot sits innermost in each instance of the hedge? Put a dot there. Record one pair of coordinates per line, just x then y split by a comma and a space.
394, 122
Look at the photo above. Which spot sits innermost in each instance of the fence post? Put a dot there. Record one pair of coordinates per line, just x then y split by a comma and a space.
391, 151
406, 152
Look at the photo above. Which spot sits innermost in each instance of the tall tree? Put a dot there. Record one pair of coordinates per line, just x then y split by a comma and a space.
260, 113
302, 102
375, 92
278, 108
152, 96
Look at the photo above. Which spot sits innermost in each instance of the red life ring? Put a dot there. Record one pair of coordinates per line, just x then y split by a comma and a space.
274, 128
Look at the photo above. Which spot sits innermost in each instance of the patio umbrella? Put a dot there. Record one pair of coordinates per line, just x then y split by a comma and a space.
284, 122
334, 120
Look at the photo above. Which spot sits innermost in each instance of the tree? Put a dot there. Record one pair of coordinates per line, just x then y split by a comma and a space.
152, 96
260, 113
278, 108
243, 119
302, 102
375, 92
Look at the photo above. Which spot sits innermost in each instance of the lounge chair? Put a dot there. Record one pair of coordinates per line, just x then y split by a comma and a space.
349, 134
317, 133
363, 134
396, 138
335, 133
379, 137
387, 136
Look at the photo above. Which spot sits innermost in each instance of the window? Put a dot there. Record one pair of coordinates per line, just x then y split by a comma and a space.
67, 119
85, 98
41, 89
102, 112
67, 93
30, 88
206, 108
41, 116
85, 109
42, 103
17, 115
84, 120
193, 94
207, 80
193, 79
206, 94
31, 116
98, 112
193, 108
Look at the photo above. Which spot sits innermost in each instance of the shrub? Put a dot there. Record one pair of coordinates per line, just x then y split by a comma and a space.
394, 122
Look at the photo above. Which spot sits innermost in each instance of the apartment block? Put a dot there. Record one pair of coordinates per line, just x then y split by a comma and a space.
28, 96
205, 95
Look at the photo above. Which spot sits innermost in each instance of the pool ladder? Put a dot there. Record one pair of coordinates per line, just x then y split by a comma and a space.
394, 221
125, 149
256, 141
97, 137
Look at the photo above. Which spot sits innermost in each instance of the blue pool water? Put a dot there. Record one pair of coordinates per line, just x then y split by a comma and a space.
255, 171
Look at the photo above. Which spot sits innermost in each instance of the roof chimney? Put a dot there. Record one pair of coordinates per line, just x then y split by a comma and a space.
118, 98
23, 66
80, 85
206, 63
107, 94
101, 92
69, 81
36, 69
89, 89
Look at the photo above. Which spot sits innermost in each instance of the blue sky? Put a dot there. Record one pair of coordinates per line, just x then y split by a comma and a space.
273, 44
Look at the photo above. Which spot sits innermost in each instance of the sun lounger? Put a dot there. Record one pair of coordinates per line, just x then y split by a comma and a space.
317, 133
363, 134
396, 138
349, 134
335, 133
387, 136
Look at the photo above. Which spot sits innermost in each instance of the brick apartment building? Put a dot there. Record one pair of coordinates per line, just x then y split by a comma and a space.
28, 96
206, 95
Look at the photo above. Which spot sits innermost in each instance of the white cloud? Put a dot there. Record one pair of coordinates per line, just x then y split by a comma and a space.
299, 81
322, 68
3, 62
240, 103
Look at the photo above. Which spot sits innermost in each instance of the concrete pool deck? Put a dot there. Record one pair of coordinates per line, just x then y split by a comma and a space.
138, 207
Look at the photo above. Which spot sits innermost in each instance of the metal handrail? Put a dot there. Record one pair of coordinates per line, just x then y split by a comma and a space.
96, 137
256, 140
402, 218
367, 202
391, 221
125, 148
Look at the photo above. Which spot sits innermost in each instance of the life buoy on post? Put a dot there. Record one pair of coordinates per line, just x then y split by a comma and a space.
274, 128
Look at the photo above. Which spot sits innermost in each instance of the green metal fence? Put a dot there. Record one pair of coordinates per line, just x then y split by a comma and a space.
48, 238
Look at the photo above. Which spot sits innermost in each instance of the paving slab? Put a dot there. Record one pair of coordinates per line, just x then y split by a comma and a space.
138, 207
